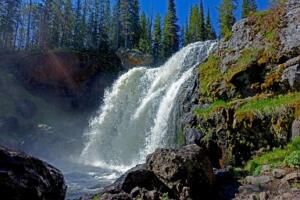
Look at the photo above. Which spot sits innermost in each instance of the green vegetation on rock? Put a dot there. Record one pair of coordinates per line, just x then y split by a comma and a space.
289, 156
206, 112
270, 105
210, 75
259, 105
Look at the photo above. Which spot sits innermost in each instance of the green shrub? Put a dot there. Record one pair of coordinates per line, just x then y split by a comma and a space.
165, 196
270, 106
289, 156
293, 160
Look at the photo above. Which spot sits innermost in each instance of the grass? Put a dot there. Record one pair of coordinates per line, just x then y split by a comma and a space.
206, 112
288, 156
271, 105
96, 197
209, 74
247, 58
256, 105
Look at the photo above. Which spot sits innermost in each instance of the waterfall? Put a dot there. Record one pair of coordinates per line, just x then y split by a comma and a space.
136, 116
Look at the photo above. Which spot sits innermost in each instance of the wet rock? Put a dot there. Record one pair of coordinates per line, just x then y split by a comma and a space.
296, 128
137, 177
265, 169
192, 136
119, 196
24, 177
278, 173
152, 195
135, 192
290, 35
258, 180
133, 58
292, 76
186, 171
247, 189
295, 176
263, 196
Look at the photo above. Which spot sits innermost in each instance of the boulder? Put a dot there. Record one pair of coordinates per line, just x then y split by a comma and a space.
187, 171
139, 177
133, 58
258, 180
292, 76
290, 34
24, 177
118, 196
296, 128
192, 136
278, 173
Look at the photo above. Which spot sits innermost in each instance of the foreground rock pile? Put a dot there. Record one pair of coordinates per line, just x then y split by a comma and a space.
174, 174
272, 184
26, 178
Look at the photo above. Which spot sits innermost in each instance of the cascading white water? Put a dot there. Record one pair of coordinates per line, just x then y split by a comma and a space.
135, 117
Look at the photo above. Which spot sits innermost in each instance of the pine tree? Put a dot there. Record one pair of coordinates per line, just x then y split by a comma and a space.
129, 22
227, 19
170, 33
194, 29
248, 7
37, 16
157, 39
125, 22
10, 18
201, 22
104, 25
144, 42
210, 32
57, 24
68, 24
45, 24
135, 14
28, 24
2, 22
116, 39
187, 37
182, 36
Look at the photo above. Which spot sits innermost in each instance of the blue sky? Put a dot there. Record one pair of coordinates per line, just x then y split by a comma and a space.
151, 7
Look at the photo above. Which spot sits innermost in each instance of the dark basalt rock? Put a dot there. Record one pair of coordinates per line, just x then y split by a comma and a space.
292, 75
187, 171
181, 174
24, 177
139, 177
192, 136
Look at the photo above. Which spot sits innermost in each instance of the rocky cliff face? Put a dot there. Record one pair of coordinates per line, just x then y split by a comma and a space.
247, 96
